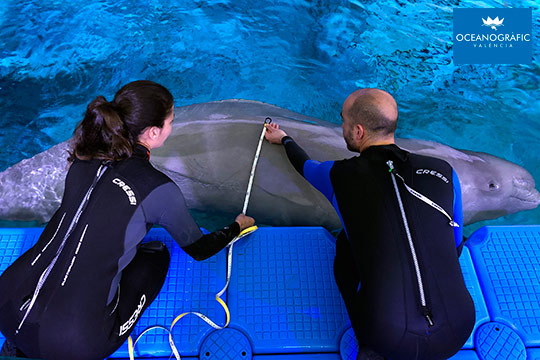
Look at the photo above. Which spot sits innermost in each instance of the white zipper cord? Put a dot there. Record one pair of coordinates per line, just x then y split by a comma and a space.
48, 270
411, 245
428, 201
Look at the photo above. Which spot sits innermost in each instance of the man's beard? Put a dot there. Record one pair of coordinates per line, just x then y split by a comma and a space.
350, 145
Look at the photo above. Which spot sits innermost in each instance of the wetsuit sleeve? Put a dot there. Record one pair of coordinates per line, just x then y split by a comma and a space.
315, 172
168, 209
458, 212
210, 244
297, 156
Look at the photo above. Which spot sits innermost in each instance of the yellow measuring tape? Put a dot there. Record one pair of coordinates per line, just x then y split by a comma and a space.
131, 344
245, 232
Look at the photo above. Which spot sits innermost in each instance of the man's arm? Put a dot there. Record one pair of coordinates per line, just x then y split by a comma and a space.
316, 173
297, 156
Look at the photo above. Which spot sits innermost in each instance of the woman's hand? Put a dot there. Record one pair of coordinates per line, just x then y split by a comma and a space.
244, 221
274, 134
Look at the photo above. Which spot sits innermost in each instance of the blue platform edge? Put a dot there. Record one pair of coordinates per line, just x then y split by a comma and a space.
283, 300
507, 262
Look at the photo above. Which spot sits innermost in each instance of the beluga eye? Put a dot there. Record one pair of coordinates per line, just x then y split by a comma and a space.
493, 186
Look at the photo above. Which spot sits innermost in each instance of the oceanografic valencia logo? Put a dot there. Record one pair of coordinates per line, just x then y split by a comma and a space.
493, 23
492, 36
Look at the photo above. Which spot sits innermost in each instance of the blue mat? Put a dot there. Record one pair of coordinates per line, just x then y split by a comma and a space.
507, 261
533, 354
473, 286
283, 294
285, 305
465, 355
190, 286
14, 242
498, 341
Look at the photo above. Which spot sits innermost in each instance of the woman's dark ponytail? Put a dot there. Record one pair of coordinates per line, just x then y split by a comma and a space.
110, 130
102, 134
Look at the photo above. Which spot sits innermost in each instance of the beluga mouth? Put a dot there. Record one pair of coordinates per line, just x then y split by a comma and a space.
524, 190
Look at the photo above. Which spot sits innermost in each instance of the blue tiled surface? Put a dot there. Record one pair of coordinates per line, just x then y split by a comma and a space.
473, 286
298, 357
507, 261
156, 358
226, 344
285, 305
465, 355
283, 293
348, 347
190, 286
533, 354
14, 242
498, 341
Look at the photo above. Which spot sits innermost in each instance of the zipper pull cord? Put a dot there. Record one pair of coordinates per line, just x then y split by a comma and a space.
390, 164
421, 197
428, 316
429, 320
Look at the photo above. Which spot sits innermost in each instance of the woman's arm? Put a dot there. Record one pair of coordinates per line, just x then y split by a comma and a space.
167, 207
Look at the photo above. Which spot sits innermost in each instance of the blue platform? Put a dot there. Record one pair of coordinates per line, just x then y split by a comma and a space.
508, 263
285, 305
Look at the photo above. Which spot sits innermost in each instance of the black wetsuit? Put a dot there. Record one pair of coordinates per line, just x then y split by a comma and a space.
400, 310
78, 292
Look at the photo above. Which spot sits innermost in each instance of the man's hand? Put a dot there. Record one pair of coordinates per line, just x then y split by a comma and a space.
274, 134
244, 221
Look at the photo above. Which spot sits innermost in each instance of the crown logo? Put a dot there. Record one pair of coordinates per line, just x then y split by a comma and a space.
493, 23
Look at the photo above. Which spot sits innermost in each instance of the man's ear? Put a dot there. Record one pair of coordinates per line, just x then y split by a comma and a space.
359, 132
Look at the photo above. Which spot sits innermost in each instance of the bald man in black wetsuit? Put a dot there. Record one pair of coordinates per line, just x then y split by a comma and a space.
396, 262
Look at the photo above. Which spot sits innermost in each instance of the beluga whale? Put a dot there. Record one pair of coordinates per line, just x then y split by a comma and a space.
209, 155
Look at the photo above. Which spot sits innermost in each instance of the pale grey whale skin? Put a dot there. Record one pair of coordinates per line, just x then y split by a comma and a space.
210, 152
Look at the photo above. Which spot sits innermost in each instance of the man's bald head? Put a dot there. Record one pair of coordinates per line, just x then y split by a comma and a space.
374, 109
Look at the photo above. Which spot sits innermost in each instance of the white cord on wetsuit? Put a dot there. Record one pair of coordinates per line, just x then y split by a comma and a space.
427, 313
411, 243
47, 271
422, 197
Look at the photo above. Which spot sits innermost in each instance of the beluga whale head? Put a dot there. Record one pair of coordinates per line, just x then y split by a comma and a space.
491, 186
501, 188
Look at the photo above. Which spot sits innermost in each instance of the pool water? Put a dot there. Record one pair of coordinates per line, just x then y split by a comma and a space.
306, 56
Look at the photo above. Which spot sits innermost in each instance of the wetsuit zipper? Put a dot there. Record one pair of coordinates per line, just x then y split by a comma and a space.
47, 271
423, 304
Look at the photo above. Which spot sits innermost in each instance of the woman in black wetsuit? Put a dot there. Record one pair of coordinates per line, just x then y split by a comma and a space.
80, 290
